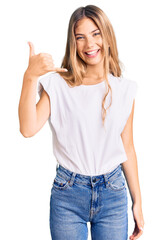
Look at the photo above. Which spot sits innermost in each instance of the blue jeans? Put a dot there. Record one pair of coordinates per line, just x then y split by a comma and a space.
77, 199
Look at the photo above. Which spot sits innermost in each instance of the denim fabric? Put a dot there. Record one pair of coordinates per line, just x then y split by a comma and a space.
77, 199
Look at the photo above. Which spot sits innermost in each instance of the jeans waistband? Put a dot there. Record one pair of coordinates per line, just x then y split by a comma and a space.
84, 179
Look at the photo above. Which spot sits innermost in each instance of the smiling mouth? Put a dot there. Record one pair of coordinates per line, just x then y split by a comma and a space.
92, 53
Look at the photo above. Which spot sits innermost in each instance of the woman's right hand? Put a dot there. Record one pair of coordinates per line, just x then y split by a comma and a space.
41, 63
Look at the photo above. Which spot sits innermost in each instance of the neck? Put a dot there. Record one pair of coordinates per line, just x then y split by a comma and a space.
95, 72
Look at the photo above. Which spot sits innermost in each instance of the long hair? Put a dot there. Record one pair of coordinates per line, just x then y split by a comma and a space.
76, 66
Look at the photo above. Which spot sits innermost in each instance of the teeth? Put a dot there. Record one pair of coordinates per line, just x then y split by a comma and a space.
90, 53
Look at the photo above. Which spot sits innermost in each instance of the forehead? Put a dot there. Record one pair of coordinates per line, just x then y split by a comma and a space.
85, 25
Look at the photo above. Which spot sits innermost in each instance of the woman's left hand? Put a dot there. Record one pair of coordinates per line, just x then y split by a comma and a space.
139, 221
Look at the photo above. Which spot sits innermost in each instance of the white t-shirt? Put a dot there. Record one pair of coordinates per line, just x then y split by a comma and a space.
80, 142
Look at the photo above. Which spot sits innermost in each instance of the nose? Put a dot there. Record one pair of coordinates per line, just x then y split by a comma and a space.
90, 42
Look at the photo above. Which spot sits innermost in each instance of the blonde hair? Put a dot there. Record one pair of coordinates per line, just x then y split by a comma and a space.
75, 65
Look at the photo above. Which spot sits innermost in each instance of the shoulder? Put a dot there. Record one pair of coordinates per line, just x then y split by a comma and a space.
127, 94
124, 84
50, 76
122, 81
51, 79
50, 82
127, 83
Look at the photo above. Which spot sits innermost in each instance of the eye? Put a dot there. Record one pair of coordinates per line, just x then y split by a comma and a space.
95, 34
79, 38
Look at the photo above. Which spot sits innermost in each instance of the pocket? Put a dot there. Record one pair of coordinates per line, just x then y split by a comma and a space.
117, 182
60, 183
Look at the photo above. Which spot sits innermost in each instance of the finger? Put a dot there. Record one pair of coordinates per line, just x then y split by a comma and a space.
134, 232
140, 225
138, 235
48, 55
60, 70
132, 237
49, 60
32, 51
141, 228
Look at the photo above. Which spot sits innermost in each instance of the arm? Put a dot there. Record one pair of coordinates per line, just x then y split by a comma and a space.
32, 116
130, 169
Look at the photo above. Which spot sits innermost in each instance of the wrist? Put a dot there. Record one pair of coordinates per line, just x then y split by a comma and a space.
29, 77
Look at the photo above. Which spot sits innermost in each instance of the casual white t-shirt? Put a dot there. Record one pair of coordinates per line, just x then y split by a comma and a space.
81, 144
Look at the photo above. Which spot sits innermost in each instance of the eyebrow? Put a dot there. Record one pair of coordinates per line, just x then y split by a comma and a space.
83, 34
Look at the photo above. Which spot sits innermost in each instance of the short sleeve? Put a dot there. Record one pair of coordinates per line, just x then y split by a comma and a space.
128, 93
45, 83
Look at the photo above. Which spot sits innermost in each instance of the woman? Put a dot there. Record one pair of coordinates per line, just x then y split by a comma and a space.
92, 144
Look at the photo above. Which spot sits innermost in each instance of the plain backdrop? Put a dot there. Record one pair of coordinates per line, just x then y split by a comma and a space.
27, 165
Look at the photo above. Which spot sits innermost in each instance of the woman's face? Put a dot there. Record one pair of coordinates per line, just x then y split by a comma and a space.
88, 41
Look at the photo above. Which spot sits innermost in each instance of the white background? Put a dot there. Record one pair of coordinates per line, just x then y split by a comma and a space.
27, 165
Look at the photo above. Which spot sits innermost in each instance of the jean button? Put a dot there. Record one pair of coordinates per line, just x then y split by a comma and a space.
94, 180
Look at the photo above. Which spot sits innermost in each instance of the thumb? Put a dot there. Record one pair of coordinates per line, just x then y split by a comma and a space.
32, 52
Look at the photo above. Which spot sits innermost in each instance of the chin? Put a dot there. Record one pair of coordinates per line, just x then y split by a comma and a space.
93, 63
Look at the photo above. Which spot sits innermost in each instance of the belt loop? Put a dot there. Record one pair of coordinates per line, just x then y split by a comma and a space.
71, 181
106, 180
